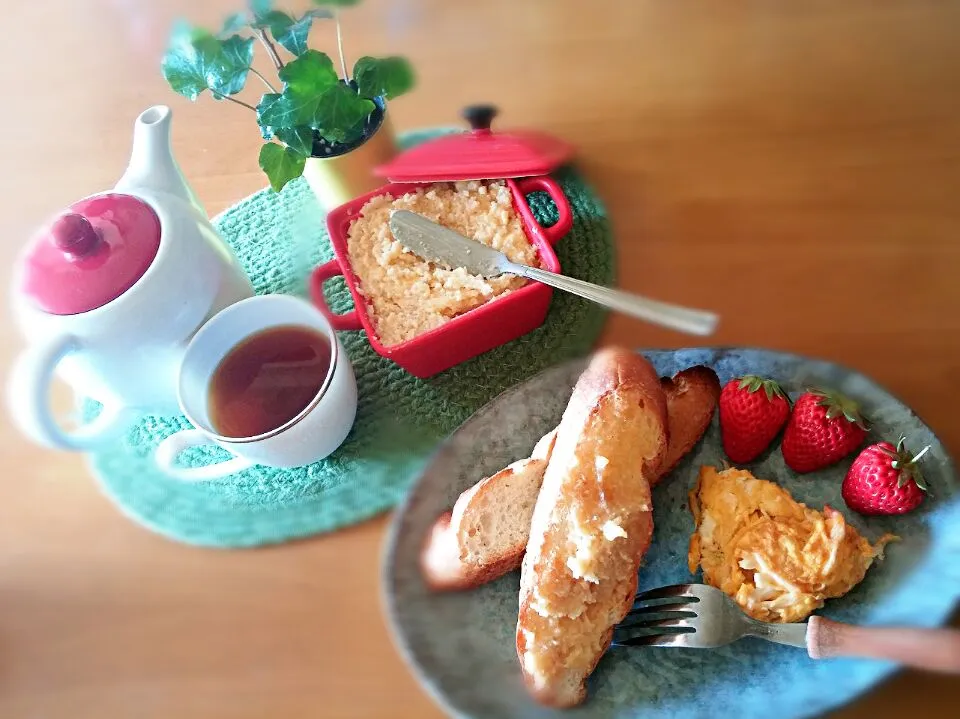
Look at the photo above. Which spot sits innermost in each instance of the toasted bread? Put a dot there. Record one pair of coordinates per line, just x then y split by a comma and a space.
692, 397
484, 536
591, 525
461, 552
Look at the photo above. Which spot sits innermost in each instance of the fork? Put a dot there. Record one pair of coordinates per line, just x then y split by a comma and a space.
702, 617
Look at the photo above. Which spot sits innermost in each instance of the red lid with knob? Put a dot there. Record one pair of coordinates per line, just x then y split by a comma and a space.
91, 254
479, 154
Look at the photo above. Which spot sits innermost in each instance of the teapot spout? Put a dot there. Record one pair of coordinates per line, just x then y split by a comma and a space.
152, 165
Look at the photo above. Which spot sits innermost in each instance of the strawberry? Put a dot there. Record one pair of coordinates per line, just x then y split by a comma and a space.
750, 419
824, 428
884, 479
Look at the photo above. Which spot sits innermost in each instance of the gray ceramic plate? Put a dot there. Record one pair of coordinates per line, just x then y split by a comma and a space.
461, 646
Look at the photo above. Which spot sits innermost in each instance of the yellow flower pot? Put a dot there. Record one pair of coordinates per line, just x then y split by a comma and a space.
336, 180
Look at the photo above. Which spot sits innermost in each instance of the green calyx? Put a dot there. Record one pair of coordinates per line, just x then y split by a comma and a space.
907, 464
753, 383
838, 404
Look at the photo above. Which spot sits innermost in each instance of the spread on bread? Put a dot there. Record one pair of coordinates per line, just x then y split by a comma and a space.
778, 559
591, 525
485, 535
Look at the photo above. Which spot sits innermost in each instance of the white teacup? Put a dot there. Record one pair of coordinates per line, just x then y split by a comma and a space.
313, 434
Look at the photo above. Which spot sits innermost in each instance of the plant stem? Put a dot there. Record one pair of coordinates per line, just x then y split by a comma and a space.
271, 50
265, 80
343, 62
233, 99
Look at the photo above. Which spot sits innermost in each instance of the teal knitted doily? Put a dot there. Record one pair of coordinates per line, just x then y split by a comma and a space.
278, 238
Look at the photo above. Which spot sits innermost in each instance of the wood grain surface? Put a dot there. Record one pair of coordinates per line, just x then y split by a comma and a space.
794, 166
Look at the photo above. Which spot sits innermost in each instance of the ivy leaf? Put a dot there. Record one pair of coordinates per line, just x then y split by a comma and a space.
297, 138
268, 18
320, 14
290, 33
190, 60
290, 111
259, 7
196, 61
355, 132
281, 164
229, 73
234, 22
309, 74
387, 77
336, 3
338, 111
266, 102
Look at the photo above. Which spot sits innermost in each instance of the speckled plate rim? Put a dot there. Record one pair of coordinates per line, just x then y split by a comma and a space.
388, 598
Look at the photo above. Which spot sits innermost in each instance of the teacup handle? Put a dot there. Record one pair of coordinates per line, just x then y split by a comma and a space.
28, 390
172, 446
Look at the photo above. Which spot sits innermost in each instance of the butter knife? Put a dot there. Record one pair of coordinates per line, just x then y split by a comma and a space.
441, 245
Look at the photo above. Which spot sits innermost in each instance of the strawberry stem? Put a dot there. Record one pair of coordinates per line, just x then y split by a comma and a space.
771, 388
838, 404
907, 465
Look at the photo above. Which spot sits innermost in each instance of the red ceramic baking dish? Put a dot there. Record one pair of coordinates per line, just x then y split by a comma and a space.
522, 160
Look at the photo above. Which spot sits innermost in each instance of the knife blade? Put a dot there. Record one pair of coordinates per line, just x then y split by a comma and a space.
449, 249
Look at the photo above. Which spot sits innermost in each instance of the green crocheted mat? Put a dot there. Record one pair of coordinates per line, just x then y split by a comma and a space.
400, 419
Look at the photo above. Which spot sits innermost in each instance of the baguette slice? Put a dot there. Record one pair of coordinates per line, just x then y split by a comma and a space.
485, 535
591, 525
692, 397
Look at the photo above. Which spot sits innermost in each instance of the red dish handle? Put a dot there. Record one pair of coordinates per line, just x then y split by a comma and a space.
562, 226
326, 271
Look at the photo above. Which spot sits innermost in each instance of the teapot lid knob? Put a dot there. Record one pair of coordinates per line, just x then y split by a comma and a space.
90, 254
74, 234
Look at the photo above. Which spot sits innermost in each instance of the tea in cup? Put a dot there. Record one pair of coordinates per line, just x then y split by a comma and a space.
267, 380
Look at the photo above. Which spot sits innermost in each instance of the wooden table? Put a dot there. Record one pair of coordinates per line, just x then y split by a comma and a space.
793, 165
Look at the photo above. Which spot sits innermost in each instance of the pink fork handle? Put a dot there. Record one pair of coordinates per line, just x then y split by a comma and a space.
542, 183
346, 321
936, 650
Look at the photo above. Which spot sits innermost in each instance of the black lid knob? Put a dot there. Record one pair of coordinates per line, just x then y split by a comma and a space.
480, 117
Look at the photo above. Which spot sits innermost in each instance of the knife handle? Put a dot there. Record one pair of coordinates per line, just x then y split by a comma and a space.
683, 319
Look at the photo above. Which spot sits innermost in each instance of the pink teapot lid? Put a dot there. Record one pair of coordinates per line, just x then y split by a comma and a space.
91, 254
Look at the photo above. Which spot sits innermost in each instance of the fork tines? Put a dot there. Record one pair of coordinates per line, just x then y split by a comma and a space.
679, 592
663, 623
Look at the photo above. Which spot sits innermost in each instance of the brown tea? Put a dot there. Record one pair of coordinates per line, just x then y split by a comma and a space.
267, 380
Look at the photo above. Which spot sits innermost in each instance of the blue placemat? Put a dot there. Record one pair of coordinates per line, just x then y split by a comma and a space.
279, 238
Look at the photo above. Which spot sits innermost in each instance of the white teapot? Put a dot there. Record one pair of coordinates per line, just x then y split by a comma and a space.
109, 294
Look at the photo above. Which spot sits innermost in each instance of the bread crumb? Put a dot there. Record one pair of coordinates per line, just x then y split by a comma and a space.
407, 295
612, 530
600, 462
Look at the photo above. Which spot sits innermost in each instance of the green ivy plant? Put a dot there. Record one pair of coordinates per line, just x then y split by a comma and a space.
317, 112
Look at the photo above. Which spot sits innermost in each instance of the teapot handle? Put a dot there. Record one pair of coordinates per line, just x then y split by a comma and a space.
28, 390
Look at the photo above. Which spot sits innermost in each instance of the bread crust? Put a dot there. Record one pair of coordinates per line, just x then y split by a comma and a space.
692, 397
443, 561
577, 581
440, 563
443, 570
